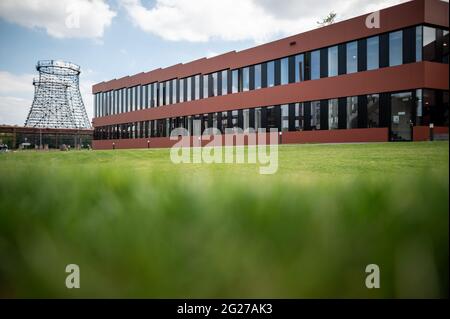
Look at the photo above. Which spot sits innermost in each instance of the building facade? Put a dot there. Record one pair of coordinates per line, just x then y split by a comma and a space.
347, 82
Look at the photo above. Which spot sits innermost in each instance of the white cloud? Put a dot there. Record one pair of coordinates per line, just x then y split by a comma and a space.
11, 83
61, 18
13, 110
235, 20
16, 96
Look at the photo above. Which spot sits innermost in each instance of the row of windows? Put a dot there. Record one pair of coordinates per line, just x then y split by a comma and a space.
421, 107
390, 49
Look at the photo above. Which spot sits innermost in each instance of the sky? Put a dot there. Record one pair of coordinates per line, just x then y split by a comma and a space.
111, 39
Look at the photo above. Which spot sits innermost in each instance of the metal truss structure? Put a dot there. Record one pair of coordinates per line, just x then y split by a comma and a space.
57, 100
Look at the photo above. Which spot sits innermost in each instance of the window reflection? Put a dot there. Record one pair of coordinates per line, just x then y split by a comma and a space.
245, 79
270, 73
214, 83
197, 87
299, 68
352, 57
181, 84
333, 61
352, 112
189, 89
373, 53
315, 65
373, 110
235, 81
315, 115
224, 82
332, 114
285, 117
395, 48
258, 76
205, 87
284, 71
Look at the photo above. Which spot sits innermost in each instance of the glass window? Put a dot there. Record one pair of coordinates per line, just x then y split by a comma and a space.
271, 117
130, 98
373, 53
285, 117
315, 115
333, 61
352, 57
284, 71
214, 120
373, 110
315, 65
257, 119
418, 43
151, 95
205, 87
246, 118
197, 87
224, 74
352, 112
181, 84
224, 121
174, 91
160, 94
445, 46
234, 118
395, 48
235, 81
139, 96
214, 83
333, 114
299, 68
167, 92
270, 73
189, 89
298, 122
258, 76
119, 101
245, 79
429, 43
205, 122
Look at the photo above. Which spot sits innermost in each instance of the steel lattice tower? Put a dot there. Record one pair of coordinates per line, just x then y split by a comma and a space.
57, 100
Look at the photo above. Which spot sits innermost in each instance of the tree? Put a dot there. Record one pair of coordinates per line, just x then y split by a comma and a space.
329, 19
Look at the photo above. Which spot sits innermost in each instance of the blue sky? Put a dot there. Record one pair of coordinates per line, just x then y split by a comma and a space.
111, 39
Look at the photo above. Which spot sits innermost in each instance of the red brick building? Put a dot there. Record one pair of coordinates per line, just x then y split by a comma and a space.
341, 83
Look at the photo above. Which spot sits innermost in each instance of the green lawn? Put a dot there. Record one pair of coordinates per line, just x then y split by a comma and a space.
140, 226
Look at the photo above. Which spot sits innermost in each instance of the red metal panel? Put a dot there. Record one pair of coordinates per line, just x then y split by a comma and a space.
400, 16
337, 136
398, 78
422, 133
332, 136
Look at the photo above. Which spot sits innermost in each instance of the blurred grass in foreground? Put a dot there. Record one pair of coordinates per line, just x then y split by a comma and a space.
140, 226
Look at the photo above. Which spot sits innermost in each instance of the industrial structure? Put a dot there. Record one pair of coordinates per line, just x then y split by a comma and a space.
347, 82
57, 100
57, 116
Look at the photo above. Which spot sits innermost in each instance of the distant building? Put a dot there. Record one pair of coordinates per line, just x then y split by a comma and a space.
341, 83
42, 138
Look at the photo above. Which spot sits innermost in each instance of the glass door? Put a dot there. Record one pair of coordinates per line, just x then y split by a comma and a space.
401, 116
